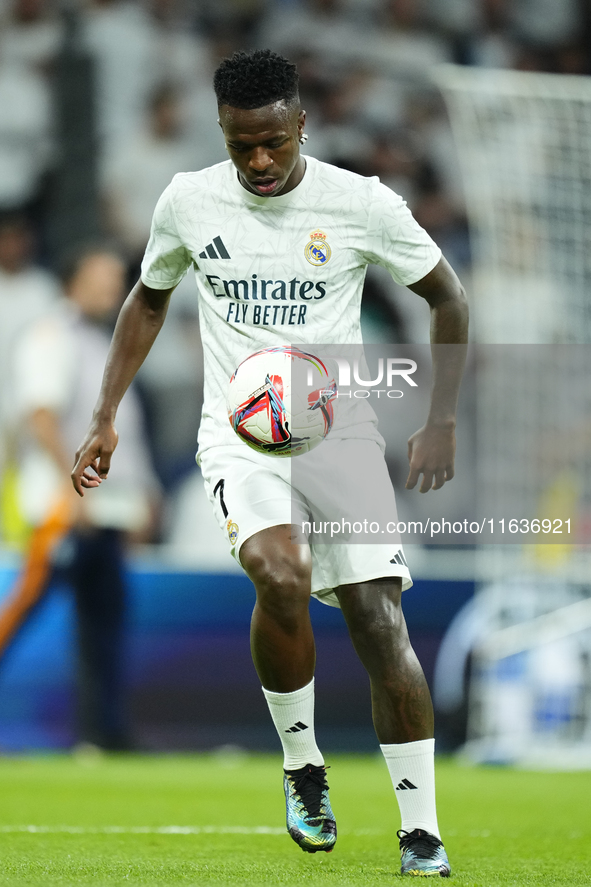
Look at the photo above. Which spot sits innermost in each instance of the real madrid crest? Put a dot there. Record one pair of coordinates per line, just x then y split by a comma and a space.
317, 251
232, 529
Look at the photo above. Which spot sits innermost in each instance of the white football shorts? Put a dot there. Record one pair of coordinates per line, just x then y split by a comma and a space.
348, 478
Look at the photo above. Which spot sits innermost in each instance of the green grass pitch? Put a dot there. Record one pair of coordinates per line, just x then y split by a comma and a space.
214, 820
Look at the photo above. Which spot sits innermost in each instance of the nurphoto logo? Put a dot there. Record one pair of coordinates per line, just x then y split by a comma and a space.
389, 371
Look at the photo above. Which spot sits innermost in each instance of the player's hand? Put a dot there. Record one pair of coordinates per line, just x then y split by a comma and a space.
93, 459
431, 452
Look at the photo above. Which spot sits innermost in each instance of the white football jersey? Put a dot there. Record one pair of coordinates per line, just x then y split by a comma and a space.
285, 270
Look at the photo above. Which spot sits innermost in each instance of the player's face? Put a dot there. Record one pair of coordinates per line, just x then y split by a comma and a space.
264, 146
98, 285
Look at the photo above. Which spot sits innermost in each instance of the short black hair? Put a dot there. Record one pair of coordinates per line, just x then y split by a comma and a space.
250, 80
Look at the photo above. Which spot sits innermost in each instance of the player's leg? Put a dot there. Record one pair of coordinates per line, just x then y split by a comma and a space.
284, 655
282, 642
253, 502
401, 703
402, 715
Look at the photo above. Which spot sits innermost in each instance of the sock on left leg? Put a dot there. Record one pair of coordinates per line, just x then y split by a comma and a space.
412, 769
293, 716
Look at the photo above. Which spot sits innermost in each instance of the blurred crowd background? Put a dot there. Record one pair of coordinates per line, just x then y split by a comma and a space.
101, 103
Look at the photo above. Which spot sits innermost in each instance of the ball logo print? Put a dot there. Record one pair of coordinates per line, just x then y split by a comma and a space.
266, 411
317, 251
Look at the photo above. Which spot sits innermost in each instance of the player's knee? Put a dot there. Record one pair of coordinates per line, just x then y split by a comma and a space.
381, 633
374, 618
286, 584
282, 584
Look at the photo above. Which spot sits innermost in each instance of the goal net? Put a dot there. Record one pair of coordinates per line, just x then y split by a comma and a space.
524, 146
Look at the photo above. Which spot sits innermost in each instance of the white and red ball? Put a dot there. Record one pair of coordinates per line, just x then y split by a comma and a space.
280, 401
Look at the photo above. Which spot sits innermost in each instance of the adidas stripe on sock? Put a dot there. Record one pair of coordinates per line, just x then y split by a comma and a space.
412, 769
293, 716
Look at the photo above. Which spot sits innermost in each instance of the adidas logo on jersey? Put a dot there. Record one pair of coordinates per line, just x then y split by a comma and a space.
215, 250
400, 559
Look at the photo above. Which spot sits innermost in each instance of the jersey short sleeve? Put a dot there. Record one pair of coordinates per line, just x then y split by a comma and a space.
166, 259
396, 240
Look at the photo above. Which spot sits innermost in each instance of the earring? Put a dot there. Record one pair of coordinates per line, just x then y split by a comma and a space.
303, 138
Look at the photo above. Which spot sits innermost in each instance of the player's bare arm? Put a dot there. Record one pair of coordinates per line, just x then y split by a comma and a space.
139, 322
431, 449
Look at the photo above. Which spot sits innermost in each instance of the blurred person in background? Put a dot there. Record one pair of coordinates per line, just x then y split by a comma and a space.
404, 41
544, 25
142, 165
171, 385
137, 46
391, 37
327, 28
25, 134
27, 292
135, 174
231, 22
533, 35
57, 367
339, 139
121, 39
30, 34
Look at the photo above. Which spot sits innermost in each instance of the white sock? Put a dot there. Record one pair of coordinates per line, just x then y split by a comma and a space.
412, 768
293, 716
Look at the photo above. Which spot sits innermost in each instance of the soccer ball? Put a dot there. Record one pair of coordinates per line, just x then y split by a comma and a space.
280, 401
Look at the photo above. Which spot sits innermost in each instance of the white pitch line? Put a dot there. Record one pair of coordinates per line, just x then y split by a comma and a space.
157, 830
143, 830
